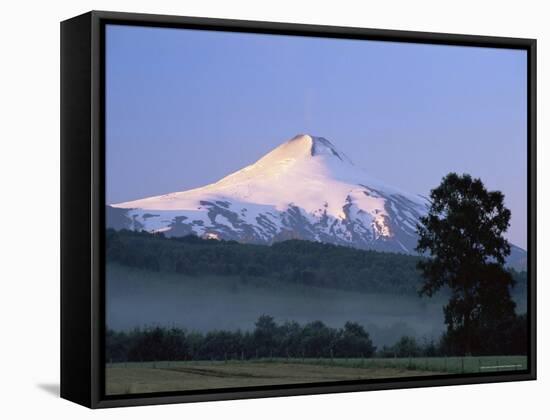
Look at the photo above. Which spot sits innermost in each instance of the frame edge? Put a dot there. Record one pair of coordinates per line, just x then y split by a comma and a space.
76, 261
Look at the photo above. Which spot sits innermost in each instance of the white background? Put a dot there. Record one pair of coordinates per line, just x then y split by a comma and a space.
29, 208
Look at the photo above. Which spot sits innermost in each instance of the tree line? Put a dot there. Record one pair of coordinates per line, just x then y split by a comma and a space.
267, 339
296, 261
292, 340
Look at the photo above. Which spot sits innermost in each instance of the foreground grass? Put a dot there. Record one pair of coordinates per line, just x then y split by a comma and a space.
481, 364
207, 375
124, 378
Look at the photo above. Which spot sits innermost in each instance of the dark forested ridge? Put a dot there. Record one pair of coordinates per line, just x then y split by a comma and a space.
296, 261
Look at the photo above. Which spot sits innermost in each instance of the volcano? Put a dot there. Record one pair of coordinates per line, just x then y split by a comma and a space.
304, 189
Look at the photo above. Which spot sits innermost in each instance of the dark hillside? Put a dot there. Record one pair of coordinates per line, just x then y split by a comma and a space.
296, 261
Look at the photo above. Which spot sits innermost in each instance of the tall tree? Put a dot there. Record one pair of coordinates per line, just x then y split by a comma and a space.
463, 237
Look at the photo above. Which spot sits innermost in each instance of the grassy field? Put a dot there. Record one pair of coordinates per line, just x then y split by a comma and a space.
124, 378
480, 364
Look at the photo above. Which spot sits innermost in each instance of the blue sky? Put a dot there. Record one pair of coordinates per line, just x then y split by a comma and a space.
187, 107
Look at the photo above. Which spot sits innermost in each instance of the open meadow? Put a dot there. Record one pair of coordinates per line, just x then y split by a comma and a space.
124, 378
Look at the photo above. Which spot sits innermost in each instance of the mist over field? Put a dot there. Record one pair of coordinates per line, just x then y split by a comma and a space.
138, 298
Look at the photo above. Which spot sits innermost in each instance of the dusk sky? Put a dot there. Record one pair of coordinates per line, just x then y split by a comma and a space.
186, 107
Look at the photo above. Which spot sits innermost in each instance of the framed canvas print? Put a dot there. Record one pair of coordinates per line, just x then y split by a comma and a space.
255, 209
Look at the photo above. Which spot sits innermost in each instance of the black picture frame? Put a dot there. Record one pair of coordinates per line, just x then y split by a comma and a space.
83, 203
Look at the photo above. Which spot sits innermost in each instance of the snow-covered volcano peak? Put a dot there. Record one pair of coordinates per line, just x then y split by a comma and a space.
304, 188
303, 146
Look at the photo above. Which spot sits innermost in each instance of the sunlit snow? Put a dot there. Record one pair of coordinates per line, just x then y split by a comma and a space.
304, 179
